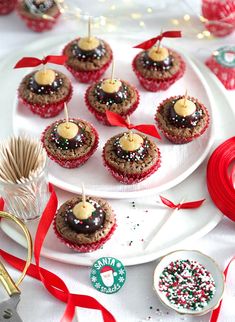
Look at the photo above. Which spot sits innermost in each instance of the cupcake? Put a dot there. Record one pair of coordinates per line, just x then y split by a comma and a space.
88, 58
111, 94
70, 144
220, 16
39, 15
182, 119
131, 157
222, 64
45, 91
7, 6
84, 225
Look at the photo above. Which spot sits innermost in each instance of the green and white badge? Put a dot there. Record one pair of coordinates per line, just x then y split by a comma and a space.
108, 275
225, 56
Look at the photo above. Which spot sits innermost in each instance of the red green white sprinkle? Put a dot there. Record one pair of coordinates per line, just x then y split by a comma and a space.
187, 285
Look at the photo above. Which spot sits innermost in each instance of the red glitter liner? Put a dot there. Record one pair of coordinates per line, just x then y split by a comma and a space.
38, 24
155, 85
85, 248
7, 6
48, 110
178, 139
225, 74
134, 178
87, 76
75, 162
101, 117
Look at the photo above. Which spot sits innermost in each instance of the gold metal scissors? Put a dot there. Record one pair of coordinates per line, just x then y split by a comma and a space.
8, 308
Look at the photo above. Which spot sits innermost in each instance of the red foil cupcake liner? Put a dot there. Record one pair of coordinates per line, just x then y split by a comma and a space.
101, 117
85, 248
131, 179
38, 24
75, 162
221, 28
7, 6
155, 85
224, 74
178, 139
87, 76
48, 110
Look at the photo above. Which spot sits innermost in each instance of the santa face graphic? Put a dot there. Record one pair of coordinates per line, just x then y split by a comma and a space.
107, 274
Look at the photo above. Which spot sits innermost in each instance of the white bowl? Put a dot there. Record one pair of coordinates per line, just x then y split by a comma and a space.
203, 259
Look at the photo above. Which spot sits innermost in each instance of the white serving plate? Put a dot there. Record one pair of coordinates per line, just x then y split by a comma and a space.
190, 225
178, 161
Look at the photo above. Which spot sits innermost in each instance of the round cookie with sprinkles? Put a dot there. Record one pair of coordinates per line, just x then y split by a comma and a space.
84, 225
131, 157
70, 144
88, 58
111, 94
182, 119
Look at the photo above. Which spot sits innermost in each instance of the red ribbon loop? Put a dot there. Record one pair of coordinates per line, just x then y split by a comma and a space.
185, 205
51, 281
116, 120
151, 42
33, 61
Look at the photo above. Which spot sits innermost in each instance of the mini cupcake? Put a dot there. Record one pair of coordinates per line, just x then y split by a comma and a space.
131, 157
88, 58
111, 94
84, 226
7, 6
220, 16
182, 119
70, 144
45, 91
222, 64
39, 15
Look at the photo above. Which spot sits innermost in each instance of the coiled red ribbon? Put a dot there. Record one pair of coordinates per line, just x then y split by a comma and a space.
220, 171
33, 61
151, 42
52, 282
116, 120
185, 205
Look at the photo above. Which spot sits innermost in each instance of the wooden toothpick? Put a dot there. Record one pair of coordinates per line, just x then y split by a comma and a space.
89, 28
66, 115
159, 42
153, 240
83, 196
113, 69
185, 97
130, 133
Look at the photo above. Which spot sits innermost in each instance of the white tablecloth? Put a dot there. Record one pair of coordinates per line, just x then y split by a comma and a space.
133, 302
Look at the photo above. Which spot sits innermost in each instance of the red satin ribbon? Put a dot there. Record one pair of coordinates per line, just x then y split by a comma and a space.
151, 42
220, 178
116, 120
52, 282
33, 61
185, 205
216, 312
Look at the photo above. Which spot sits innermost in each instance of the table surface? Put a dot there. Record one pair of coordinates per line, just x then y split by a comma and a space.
136, 301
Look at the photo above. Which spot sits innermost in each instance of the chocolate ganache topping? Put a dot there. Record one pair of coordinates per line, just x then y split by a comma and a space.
45, 89
89, 55
157, 65
111, 98
40, 5
189, 121
135, 155
90, 225
68, 144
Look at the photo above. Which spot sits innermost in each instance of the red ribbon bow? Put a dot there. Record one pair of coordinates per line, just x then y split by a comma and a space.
51, 281
33, 61
116, 120
151, 42
185, 205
